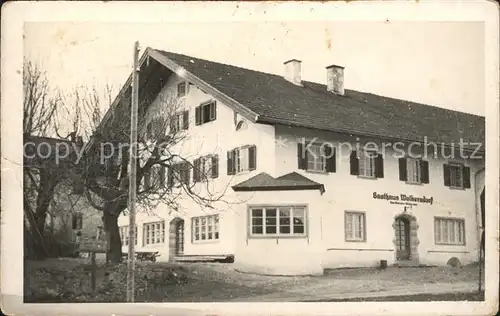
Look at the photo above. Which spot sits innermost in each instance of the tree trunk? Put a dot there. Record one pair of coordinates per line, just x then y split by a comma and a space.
110, 223
45, 195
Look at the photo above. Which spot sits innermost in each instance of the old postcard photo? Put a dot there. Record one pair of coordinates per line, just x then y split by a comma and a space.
286, 158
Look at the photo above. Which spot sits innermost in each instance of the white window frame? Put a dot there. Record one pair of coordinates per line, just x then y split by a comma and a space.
178, 118
205, 226
153, 233
241, 159
454, 181
366, 165
355, 226
316, 160
449, 231
207, 106
413, 170
124, 235
280, 221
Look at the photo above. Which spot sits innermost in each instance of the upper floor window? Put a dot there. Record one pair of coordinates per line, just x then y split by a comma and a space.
77, 220
179, 174
277, 221
156, 128
154, 178
179, 121
206, 112
241, 159
412, 170
367, 164
316, 157
354, 226
205, 228
181, 89
456, 176
153, 233
206, 167
449, 231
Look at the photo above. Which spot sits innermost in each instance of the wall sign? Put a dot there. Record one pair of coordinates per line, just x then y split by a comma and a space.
403, 198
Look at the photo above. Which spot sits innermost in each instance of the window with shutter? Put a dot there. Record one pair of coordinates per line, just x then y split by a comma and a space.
206, 112
366, 164
413, 171
316, 158
206, 167
180, 174
456, 176
179, 121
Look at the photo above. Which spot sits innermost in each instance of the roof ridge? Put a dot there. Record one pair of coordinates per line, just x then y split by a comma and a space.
220, 63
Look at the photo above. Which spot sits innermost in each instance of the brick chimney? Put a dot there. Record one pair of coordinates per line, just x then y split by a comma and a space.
292, 71
335, 79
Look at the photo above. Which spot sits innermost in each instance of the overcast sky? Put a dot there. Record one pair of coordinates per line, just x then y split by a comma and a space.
437, 63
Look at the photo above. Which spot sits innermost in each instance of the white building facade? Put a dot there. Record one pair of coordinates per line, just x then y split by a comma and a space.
299, 198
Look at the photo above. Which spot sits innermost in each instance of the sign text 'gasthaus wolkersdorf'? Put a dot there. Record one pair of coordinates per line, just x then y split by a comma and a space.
403, 198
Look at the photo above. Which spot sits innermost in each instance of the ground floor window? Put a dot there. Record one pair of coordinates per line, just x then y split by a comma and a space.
278, 221
205, 228
153, 233
354, 226
449, 231
124, 235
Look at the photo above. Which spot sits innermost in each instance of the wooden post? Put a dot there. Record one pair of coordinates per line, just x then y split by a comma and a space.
93, 269
132, 177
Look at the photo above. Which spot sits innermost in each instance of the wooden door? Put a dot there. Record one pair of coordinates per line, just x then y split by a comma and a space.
403, 251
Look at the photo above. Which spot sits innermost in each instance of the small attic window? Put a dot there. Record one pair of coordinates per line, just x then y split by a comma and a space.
241, 125
181, 89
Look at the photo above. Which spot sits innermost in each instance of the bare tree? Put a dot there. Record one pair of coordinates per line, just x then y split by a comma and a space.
40, 179
163, 171
40, 100
44, 169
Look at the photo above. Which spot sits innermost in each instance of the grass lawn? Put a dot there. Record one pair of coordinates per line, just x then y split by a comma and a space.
68, 280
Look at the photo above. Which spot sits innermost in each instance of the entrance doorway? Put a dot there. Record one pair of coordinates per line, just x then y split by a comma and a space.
403, 239
176, 238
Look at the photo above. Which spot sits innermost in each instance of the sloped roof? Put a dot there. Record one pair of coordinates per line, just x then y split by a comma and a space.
277, 101
290, 181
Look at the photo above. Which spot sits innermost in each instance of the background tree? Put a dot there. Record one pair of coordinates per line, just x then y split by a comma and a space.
41, 174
